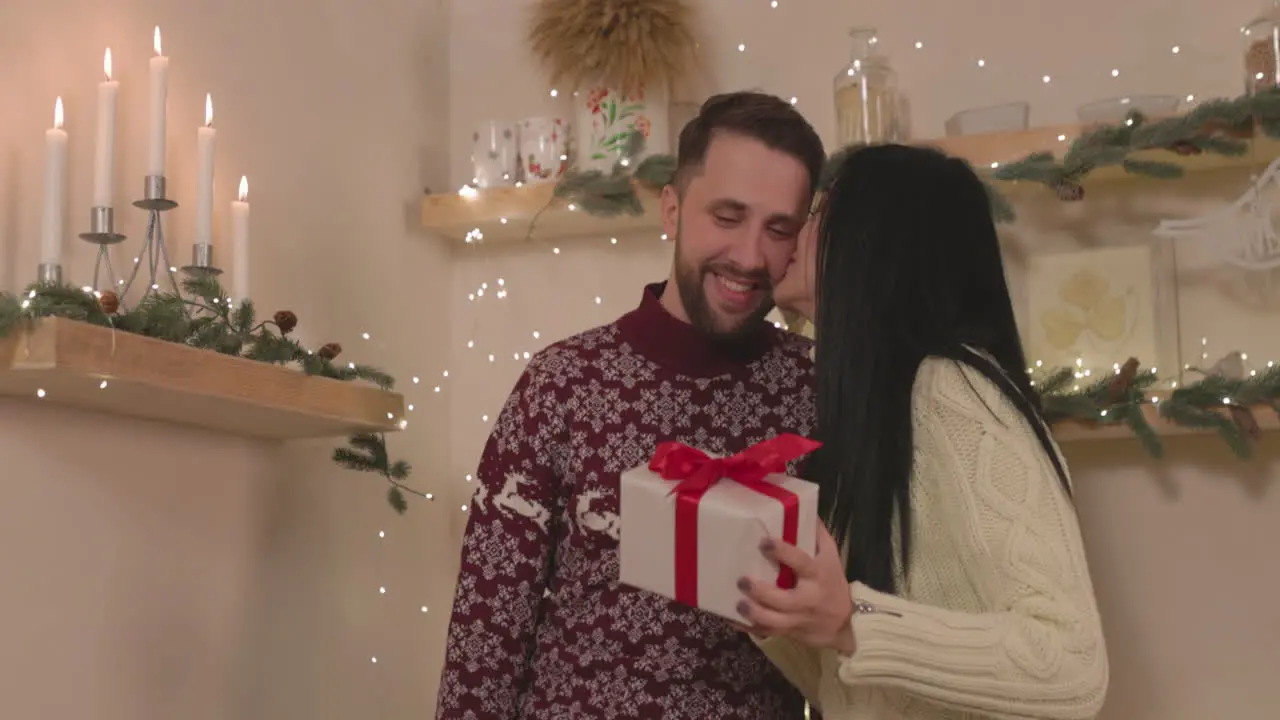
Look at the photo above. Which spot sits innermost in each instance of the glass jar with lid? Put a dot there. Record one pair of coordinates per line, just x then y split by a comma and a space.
869, 106
1262, 49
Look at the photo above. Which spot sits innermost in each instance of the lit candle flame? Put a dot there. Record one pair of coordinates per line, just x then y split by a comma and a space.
57, 113
244, 188
208, 110
106, 63
155, 42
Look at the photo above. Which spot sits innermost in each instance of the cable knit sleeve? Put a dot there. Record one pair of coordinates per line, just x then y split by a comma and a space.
983, 485
800, 664
506, 555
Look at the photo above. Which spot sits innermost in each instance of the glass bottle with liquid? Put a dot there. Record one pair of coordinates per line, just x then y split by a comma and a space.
1262, 49
869, 106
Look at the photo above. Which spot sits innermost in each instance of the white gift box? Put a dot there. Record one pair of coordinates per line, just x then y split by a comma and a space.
731, 519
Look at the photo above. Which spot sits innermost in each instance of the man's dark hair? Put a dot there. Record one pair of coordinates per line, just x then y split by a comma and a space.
768, 119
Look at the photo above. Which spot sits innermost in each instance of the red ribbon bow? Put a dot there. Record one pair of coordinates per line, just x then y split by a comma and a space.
696, 472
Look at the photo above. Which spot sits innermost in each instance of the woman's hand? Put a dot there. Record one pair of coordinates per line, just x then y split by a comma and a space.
817, 611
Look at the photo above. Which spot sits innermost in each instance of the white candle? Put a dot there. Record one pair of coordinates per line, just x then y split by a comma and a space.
240, 242
204, 179
55, 187
105, 149
159, 100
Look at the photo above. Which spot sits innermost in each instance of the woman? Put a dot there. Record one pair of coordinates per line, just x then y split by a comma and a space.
963, 590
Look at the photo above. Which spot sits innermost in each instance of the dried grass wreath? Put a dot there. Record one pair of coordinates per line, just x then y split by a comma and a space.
621, 43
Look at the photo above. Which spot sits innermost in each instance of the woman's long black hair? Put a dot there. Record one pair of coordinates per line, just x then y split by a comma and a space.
908, 266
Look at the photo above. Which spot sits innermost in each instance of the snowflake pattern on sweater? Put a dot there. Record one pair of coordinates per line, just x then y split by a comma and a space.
541, 628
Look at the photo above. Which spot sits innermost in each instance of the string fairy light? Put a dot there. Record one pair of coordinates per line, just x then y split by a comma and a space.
1037, 372
382, 587
1081, 371
385, 588
485, 293
981, 62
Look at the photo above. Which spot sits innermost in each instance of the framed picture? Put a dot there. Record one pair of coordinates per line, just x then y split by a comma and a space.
1099, 307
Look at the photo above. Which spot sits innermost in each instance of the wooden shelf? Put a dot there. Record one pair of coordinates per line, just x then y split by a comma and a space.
983, 150
1074, 432
95, 368
503, 215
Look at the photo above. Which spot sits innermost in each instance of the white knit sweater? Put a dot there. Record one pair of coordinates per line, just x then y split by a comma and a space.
997, 618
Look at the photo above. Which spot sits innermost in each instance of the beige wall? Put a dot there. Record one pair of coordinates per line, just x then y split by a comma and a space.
157, 572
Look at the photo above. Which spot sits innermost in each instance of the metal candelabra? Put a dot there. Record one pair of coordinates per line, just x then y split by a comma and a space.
154, 253
102, 232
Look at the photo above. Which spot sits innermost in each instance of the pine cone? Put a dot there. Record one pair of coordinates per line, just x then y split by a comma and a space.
330, 351
286, 321
1185, 148
1119, 386
109, 302
1069, 191
1244, 419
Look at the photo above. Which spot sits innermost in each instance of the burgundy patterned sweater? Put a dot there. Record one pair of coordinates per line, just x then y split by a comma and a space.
541, 629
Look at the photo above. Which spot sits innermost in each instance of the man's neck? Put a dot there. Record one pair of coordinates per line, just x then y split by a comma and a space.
660, 334
672, 303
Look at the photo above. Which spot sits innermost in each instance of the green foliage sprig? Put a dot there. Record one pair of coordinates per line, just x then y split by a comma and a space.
203, 317
1222, 127
613, 193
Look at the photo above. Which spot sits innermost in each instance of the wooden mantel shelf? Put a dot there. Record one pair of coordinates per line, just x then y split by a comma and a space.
501, 216
1074, 432
95, 368
989, 150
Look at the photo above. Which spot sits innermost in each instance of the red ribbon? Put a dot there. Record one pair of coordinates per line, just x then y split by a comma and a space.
697, 472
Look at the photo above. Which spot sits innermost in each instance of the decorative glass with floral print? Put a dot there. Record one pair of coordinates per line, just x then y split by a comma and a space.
494, 158
544, 149
604, 118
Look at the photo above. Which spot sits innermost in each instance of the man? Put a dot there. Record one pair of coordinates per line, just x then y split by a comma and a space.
541, 628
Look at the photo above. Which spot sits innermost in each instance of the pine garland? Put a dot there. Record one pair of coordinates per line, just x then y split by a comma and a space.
204, 317
1221, 127
1214, 402
207, 320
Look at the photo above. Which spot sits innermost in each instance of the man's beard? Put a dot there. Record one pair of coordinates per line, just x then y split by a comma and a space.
689, 281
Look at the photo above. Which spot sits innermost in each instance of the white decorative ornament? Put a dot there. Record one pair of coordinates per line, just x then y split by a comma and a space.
509, 502
479, 496
1231, 366
1244, 232
593, 521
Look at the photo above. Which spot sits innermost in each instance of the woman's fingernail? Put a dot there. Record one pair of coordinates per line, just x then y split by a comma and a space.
744, 584
743, 607
767, 545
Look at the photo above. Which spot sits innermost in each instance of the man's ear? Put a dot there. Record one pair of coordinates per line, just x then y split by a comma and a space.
669, 208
